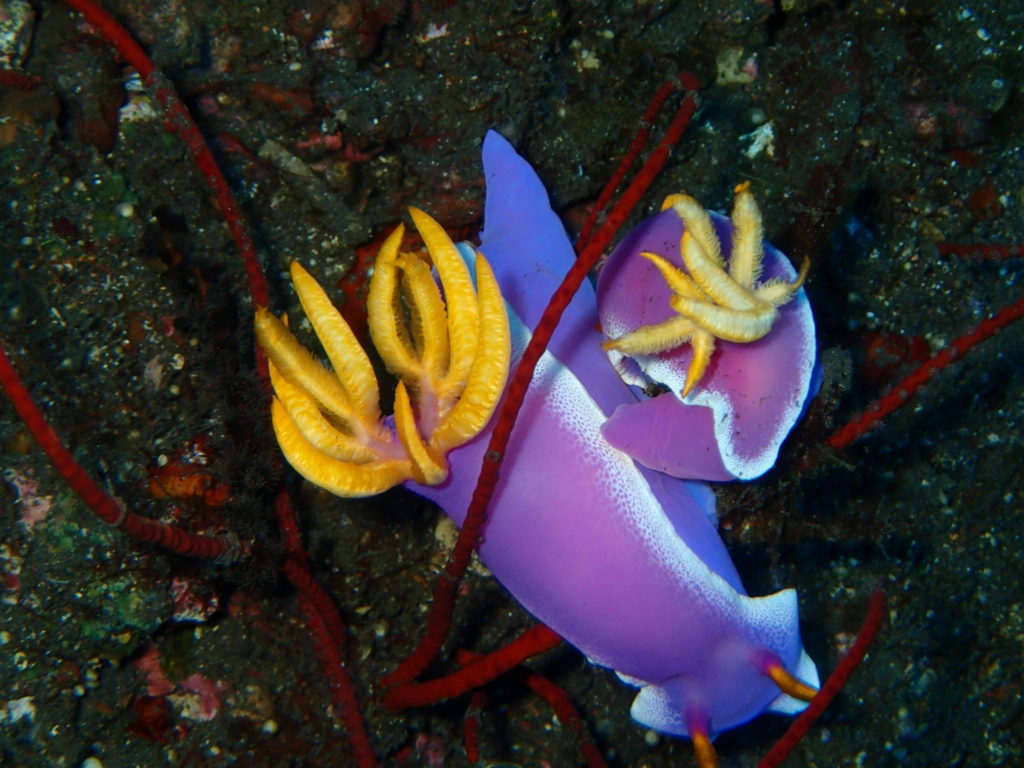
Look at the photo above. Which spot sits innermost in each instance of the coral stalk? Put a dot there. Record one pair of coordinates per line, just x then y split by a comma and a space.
556, 697
181, 122
105, 506
471, 727
532, 642
833, 685
328, 629
905, 389
18, 80
991, 251
688, 82
568, 716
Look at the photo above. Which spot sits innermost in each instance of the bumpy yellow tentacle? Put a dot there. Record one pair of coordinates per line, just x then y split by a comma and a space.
485, 380
328, 423
461, 304
298, 366
677, 279
703, 344
698, 224
726, 323
384, 312
342, 478
712, 279
351, 364
314, 426
428, 468
654, 338
777, 291
428, 328
747, 238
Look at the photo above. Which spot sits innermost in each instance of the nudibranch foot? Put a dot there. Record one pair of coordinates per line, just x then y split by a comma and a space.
713, 302
448, 344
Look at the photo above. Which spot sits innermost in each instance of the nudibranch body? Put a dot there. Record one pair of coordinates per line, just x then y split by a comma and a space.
622, 561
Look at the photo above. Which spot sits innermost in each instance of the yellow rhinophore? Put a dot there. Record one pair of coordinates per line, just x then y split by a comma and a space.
450, 352
712, 303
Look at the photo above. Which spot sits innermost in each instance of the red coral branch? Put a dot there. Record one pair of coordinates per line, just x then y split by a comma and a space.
992, 251
328, 629
905, 389
833, 685
568, 716
688, 82
18, 80
532, 642
556, 697
446, 586
471, 727
105, 506
182, 123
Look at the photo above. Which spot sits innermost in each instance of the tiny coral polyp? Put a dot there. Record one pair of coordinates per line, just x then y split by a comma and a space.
450, 353
712, 303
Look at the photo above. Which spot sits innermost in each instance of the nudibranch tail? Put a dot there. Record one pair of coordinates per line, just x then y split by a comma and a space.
698, 724
328, 422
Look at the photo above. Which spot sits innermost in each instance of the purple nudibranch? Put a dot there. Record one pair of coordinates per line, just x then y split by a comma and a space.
623, 561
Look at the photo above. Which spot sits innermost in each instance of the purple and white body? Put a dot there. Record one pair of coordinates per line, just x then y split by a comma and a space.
623, 561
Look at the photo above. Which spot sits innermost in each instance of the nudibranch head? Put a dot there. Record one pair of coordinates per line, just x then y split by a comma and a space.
687, 275
449, 351
712, 303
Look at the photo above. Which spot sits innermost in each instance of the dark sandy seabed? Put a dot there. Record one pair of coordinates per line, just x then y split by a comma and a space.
868, 130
